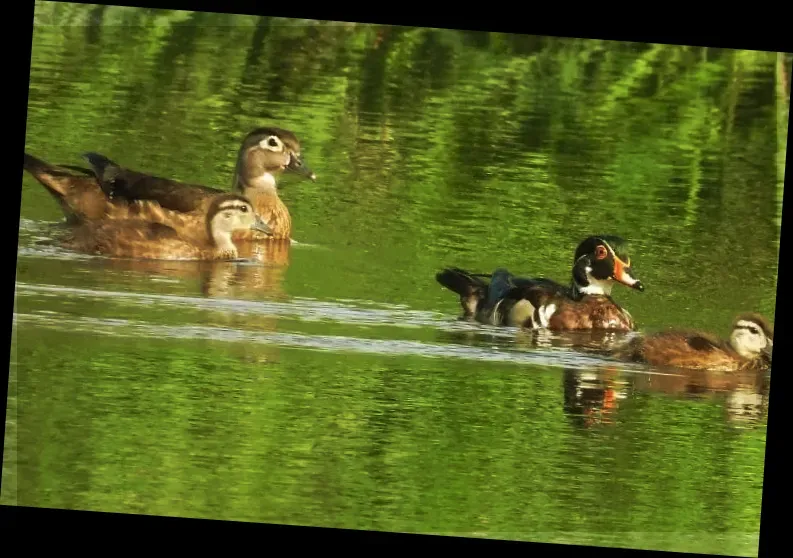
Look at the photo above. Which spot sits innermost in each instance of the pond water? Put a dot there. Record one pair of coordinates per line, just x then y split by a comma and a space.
334, 385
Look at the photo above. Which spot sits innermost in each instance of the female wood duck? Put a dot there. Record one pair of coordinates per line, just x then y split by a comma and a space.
537, 303
82, 201
143, 239
749, 347
264, 153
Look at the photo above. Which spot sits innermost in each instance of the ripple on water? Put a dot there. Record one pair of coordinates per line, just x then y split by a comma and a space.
336, 343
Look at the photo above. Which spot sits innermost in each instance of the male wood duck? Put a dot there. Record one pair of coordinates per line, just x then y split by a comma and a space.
143, 239
265, 152
536, 303
749, 347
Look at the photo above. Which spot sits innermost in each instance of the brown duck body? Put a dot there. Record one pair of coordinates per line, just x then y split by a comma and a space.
533, 306
128, 188
265, 152
274, 212
138, 239
142, 239
82, 201
698, 350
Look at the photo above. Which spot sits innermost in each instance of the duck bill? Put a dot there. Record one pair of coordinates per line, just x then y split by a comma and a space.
622, 274
768, 350
296, 165
261, 226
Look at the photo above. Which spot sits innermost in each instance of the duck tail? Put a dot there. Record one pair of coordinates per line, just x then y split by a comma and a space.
471, 288
51, 177
461, 282
67, 184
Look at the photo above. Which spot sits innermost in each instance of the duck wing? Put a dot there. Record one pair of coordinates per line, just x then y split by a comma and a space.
120, 183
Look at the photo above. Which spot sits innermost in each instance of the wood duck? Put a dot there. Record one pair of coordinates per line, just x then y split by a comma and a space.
749, 347
82, 201
264, 153
536, 303
144, 239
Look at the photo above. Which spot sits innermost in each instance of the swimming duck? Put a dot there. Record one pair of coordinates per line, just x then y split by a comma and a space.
536, 303
749, 347
265, 152
143, 239
82, 201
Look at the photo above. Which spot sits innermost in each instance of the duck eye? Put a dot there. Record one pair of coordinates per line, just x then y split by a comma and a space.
271, 143
244, 209
600, 252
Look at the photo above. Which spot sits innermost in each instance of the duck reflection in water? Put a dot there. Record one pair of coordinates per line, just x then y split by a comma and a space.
592, 397
260, 277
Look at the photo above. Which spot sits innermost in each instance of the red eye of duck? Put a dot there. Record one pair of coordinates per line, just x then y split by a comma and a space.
600, 252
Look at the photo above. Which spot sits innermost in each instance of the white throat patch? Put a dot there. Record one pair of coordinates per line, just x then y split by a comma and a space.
596, 286
265, 182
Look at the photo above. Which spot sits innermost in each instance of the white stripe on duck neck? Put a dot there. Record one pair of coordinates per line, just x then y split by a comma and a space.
595, 286
264, 182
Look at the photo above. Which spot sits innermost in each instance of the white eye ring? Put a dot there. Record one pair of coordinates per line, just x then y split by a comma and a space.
272, 143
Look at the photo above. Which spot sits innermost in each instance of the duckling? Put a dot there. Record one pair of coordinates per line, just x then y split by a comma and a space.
749, 347
143, 239
264, 153
536, 303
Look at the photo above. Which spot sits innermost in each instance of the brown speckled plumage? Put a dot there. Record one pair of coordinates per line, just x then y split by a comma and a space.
76, 190
589, 312
143, 239
82, 201
273, 211
264, 153
700, 350
108, 191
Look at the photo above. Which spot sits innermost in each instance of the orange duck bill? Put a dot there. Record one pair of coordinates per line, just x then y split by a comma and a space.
623, 274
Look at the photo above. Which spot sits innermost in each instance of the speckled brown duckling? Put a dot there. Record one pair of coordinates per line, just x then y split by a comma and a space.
749, 347
142, 239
